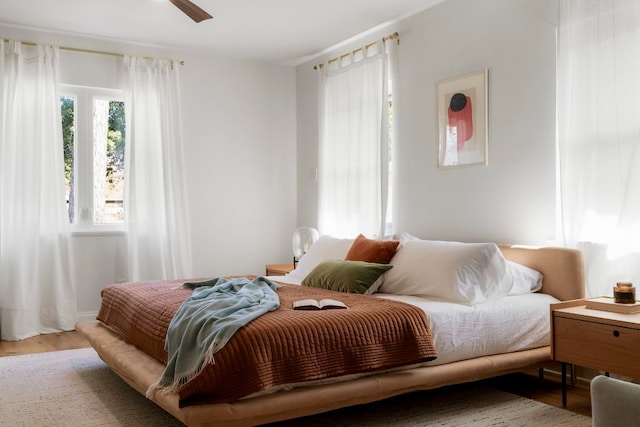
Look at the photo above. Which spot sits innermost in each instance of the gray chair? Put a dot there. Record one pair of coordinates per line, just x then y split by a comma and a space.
614, 403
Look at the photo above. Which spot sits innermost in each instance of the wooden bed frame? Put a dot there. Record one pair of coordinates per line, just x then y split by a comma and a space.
563, 278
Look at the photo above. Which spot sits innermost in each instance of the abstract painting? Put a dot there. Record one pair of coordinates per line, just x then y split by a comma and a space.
462, 120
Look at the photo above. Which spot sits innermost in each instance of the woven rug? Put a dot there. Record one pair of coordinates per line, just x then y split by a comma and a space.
75, 388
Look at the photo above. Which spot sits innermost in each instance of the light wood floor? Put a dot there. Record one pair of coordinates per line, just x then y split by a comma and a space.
43, 344
526, 384
547, 390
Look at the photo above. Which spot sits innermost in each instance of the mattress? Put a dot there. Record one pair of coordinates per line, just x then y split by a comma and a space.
512, 323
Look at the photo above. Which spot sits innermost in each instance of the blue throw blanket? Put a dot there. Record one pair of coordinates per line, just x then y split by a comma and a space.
206, 321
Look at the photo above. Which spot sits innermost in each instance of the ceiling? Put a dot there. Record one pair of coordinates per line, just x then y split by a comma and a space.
278, 31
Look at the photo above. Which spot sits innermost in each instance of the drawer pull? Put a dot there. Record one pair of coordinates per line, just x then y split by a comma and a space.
616, 333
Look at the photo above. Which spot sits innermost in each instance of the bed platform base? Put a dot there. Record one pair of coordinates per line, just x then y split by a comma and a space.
140, 371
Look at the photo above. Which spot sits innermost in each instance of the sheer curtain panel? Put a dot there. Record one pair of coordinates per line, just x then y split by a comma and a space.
156, 217
37, 294
353, 147
599, 137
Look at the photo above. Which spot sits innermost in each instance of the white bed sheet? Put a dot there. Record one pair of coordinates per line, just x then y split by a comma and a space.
512, 323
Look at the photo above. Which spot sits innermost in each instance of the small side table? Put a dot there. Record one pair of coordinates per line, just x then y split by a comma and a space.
278, 269
595, 339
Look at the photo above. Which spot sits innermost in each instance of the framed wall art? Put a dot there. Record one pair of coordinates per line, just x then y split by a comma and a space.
461, 104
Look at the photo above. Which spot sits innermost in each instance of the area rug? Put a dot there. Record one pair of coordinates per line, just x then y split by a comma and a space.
461, 405
75, 388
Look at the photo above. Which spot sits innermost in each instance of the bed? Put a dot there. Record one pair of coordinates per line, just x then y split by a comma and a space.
552, 274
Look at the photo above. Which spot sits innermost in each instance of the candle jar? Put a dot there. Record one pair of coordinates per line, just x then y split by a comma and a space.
624, 293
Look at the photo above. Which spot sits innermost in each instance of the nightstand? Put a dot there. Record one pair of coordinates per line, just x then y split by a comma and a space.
278, 269
595, 339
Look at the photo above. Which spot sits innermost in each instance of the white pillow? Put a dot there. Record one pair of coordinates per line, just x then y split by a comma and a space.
405, 237
324, 249
525, 280
466, 273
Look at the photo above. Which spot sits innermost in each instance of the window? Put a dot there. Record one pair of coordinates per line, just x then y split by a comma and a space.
93, 130
353, 148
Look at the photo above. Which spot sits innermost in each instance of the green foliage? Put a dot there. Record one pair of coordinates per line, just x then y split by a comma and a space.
117, 124
67, 108
115, 144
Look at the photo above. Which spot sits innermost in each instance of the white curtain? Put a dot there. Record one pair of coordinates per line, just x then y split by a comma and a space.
37, 293
599, 137
157, 222
353, 147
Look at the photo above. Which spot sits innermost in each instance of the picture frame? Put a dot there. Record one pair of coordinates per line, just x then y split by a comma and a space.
462, 120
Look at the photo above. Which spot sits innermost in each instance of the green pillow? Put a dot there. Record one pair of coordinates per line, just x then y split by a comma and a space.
356, 277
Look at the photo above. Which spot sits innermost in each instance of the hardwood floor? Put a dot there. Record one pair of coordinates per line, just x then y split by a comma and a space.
43, 344
527, 384
547, 390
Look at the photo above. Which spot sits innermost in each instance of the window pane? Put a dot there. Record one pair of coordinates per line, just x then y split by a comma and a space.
67, 109
108, 161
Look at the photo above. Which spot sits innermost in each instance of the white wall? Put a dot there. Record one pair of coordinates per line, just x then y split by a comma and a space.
239, 129
240, 132
512, 199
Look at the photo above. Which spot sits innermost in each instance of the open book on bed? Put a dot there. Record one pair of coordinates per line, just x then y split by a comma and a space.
323, 304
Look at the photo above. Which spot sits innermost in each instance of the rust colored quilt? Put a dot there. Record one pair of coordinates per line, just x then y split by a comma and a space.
281, 347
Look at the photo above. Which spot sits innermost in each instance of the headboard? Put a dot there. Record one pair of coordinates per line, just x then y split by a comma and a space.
562, 268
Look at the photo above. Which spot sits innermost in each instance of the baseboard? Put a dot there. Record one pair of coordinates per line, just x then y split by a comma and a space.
87, 316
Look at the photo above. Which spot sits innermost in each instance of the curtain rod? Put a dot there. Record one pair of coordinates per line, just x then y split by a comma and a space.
395, 36
100, 52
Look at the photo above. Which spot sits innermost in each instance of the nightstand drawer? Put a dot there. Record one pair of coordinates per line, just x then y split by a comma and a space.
596, 345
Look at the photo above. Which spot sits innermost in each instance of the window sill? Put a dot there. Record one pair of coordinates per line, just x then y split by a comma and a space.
97, 230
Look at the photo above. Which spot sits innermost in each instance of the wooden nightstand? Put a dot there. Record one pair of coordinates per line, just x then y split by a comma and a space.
595, 339
278, 269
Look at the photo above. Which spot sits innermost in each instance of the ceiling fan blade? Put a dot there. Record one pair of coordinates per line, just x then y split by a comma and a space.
192, 10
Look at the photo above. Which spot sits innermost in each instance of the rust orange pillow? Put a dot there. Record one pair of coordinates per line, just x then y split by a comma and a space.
369, 250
